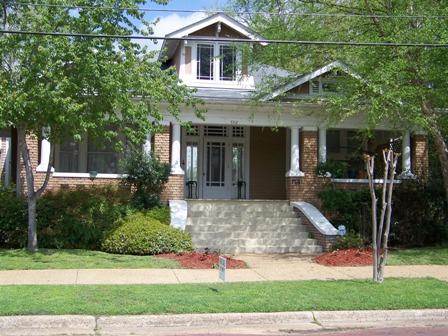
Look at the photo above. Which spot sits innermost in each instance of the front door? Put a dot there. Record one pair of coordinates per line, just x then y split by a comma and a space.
215, 160
216, 175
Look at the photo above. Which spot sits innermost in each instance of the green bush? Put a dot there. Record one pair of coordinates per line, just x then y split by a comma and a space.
13, 219
80, 218
420, 214
350, 240
146, 175
142, 235
162, 214
337, 169
348, 207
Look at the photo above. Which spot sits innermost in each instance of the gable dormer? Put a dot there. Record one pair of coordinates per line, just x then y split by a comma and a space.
207, 63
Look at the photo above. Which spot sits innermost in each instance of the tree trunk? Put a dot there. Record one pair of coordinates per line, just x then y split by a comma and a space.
439, 142
30, 193
32, 227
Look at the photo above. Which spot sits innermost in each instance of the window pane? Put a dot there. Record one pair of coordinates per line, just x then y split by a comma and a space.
192, 161
103, 158
68, 157
227, 60
215, 176
205, 62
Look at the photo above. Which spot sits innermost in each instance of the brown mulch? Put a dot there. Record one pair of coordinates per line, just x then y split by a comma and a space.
348, 257
198, 260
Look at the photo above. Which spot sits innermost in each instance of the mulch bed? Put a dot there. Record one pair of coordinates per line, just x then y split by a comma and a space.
348, 257
202, 260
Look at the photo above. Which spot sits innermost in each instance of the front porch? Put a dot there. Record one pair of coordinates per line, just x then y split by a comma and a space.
265, 163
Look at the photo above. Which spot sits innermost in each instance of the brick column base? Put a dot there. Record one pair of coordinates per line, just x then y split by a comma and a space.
419, 158
174, 188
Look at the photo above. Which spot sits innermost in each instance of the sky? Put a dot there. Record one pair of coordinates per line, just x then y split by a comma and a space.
170, 22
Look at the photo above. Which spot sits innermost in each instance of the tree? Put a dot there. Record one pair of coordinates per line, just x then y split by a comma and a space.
381, 225
77, 85
407, 86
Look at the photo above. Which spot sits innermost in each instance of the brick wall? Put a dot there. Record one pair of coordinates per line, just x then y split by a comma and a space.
174, 189
3, 153
267, 163
305, 188
419, 159
162, 145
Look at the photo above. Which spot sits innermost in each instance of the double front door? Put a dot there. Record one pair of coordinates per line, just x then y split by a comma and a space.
215, 167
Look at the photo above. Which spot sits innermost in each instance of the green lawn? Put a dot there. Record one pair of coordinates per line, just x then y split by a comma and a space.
66, 259
419, 256
229, 297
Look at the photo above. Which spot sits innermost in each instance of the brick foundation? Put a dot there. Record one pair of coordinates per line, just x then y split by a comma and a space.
174, 188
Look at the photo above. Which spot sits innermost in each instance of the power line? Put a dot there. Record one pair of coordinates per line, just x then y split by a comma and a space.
164, 10
229, 40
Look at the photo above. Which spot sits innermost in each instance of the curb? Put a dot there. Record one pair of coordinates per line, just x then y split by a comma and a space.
91, 325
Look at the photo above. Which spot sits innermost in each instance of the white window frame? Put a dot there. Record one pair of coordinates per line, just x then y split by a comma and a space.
82, 164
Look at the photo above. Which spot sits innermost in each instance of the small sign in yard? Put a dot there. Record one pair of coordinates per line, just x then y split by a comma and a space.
222, 268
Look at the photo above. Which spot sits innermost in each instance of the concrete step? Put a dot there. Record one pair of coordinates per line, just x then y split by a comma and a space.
221, 221
314, 249
250, 235
255, 242
241, 214
265, 228
239, 206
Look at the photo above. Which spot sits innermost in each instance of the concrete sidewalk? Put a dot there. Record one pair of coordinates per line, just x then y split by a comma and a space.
261, 268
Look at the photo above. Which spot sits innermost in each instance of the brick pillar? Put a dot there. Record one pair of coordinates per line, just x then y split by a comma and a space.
174, 188
305, 188
420, 160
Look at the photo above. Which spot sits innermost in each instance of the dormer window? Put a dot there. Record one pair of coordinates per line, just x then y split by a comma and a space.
227, 63
216, 62
205, 62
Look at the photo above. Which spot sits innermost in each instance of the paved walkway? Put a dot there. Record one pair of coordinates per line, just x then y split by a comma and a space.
261, 268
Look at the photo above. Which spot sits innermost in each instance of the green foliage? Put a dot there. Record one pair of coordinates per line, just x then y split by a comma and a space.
420, 214
337, 169
162, 214
146, 175
350, 240
141, 235
13, 216
80, 218
348, 207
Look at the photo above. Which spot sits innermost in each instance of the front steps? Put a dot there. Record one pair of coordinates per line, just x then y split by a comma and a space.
240, 226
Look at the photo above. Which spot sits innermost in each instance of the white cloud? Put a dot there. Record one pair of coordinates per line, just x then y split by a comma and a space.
170, 23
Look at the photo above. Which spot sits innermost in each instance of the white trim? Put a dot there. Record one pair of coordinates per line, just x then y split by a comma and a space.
354, 181
208, 21
87, 175
294, 170
176, 168
322, 145
305, 78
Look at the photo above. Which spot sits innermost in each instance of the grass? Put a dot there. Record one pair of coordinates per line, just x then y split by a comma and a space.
419, 256
222, 298
70, 259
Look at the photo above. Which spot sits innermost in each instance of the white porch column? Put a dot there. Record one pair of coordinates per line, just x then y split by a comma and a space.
295, 154
45, 148
406, 155
147, 145
176, 169
322, 145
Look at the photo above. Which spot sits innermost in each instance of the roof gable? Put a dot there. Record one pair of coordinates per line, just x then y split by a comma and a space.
211, 20
308, 77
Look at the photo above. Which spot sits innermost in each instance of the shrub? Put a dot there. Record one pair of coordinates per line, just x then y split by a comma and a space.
348, 207
350, 240
13, 219
146, 175
139, 234
337, 169
162, 214
420, 214
80, 218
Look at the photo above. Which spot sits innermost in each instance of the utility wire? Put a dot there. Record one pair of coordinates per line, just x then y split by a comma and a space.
225, 39
164, 10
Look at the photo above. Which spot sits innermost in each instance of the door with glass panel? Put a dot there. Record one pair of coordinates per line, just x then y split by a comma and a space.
238, 171
216, 175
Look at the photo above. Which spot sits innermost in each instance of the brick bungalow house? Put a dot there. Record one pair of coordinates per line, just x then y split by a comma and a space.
241, 150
